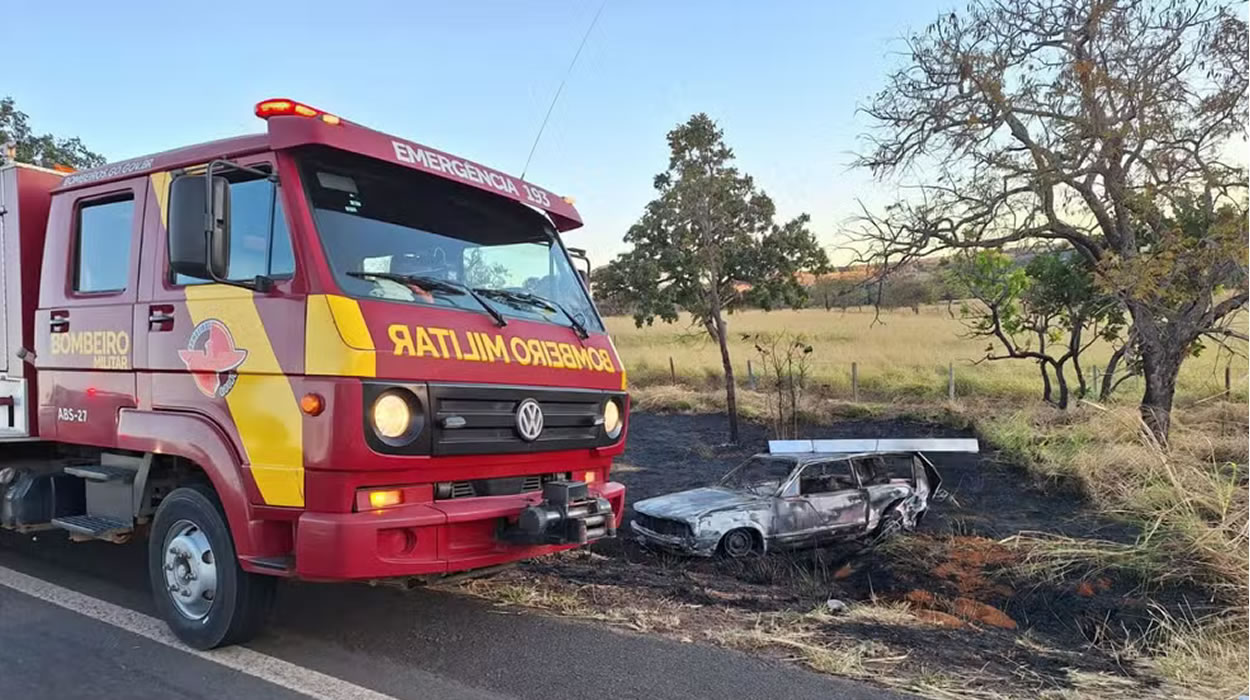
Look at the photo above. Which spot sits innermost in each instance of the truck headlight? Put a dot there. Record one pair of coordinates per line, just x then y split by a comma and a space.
392, 416
612, 422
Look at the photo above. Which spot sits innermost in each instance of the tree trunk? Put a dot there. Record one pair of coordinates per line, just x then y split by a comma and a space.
1041, 365
1074, 350
1161, 349
1160, 369
1046, 390
794, 398
1122, 353
1108, 377
1061, 383
731, 396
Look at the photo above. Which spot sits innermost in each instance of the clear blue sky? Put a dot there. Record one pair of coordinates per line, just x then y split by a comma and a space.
475, 78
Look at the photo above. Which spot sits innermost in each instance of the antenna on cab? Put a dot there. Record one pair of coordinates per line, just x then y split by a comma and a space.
560, 89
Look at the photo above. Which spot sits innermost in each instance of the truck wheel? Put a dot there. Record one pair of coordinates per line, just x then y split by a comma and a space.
738, 543
207, 599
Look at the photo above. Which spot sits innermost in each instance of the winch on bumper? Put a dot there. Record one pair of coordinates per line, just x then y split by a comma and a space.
436, 537
568, 514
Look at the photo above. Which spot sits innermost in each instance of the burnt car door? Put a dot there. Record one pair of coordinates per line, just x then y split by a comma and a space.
887, 479
823, 500
928, 481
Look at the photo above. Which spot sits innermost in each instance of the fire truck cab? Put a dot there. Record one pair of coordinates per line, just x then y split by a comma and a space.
318, 352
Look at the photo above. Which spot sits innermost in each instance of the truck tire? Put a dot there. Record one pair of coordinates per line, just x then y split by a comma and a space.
207, 599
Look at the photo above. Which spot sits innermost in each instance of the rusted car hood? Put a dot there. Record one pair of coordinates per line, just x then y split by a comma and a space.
687, 505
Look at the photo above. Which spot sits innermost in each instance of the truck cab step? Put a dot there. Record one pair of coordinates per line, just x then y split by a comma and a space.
96, 526
101, 472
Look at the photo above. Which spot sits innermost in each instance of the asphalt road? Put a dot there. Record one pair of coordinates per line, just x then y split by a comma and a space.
403, 644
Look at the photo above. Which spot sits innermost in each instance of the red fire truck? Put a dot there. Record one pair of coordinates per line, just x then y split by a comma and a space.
319, 352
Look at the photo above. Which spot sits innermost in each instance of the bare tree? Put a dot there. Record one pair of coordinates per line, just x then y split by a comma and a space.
1102, 124
786, 360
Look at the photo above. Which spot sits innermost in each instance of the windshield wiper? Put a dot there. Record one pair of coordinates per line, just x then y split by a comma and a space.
430, 284
434, 284
541, 302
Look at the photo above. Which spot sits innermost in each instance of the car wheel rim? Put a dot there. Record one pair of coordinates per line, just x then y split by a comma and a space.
738, 544
190, 570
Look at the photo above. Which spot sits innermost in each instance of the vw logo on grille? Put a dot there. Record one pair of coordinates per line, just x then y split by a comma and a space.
529, 420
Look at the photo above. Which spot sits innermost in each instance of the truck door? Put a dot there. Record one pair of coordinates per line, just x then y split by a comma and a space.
225, 351
83, 333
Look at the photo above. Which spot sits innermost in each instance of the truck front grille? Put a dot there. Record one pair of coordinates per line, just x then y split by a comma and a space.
483, 419
501, 486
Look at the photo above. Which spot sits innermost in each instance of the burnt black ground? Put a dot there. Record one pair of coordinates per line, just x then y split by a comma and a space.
669, 453
990, 499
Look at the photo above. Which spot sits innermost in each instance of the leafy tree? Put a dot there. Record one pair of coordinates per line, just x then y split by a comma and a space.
47, 150
708, 244
831, 292
1104, 125
911, 291
1048, 311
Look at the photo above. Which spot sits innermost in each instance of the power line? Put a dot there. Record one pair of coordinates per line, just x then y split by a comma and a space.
560, 89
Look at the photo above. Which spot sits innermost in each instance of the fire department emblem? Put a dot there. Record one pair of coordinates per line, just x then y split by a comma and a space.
212, 358
529, 420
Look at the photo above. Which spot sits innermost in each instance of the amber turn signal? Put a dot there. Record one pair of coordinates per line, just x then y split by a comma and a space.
312, 404
386, 498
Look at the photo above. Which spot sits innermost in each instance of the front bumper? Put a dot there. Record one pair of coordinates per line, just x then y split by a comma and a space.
426, 539
692, 545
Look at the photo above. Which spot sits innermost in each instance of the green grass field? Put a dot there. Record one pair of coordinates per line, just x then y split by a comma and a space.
903, 357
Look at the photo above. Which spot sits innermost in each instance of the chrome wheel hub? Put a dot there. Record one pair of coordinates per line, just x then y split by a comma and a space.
190, 570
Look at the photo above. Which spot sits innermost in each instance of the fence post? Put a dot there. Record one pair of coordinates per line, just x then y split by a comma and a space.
855, 382
750, 375
672, 369
1094, 383
1228, 380
951, 381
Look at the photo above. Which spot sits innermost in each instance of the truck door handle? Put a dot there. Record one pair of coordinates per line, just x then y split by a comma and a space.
161, 318
59, 323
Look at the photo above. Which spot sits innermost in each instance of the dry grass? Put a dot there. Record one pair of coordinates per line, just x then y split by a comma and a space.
1190, 501
905, 357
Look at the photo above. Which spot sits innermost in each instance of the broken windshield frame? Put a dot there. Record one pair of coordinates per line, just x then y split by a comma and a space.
760, 474
382, 224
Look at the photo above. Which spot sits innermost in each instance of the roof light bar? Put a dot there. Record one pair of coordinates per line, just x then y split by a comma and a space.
281, 107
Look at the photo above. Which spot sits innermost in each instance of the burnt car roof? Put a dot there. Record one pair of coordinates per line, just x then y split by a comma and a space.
805, 457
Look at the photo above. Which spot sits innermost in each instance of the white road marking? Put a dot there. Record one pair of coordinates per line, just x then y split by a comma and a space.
253, 663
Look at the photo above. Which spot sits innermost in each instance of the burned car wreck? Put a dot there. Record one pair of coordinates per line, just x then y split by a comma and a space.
801, 493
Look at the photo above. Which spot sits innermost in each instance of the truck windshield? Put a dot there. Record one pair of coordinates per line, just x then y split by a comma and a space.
392, 233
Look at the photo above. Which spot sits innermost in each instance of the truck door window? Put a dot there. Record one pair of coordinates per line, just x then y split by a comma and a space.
102, 248
259, 241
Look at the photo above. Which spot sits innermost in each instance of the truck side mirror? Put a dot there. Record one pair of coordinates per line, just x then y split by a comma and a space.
199, 227
579, 255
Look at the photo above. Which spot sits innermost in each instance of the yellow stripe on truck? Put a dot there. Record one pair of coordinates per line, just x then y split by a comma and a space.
336, 340
264, 407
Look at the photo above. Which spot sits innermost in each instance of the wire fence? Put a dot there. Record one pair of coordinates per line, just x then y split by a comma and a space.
953, 387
